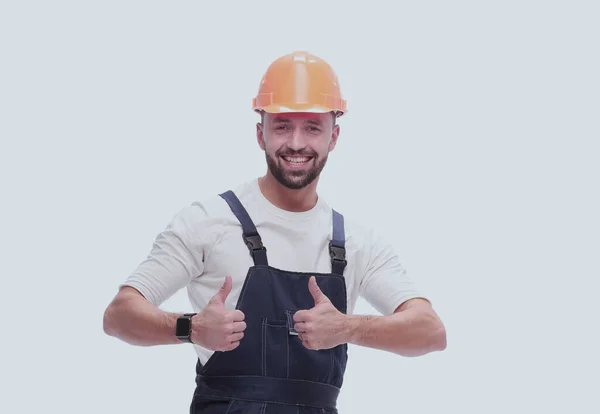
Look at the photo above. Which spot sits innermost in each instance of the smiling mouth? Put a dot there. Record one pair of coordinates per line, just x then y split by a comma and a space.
296, 161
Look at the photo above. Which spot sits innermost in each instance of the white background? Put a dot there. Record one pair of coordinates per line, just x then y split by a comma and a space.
475, 124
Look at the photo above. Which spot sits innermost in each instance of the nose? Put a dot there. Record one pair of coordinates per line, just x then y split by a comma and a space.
297, 141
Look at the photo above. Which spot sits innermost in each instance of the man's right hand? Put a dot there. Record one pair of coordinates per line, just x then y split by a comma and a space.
217, 328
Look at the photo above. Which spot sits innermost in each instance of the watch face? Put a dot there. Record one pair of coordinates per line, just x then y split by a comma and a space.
183, 327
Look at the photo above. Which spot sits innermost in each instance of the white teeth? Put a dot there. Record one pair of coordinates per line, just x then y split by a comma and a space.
296, 160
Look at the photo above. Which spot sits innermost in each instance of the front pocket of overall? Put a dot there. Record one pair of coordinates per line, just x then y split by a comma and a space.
308, 364
275, 350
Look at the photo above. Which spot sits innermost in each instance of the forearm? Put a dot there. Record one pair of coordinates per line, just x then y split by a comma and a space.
411, 332
131, 318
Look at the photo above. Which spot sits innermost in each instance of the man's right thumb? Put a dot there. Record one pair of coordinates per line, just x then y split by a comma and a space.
222, 294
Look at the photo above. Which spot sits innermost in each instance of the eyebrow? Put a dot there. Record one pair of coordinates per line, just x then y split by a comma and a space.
308, 121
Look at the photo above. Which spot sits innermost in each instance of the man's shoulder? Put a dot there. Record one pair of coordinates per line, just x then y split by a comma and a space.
214, 205
363, 238
358, 236
209, 211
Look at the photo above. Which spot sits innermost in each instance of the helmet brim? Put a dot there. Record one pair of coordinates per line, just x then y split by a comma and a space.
310, 108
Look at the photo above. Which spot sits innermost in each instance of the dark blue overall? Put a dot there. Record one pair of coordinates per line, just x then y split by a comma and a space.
271, 371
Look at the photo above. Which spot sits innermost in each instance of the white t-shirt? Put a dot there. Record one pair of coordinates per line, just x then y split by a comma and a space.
203, 244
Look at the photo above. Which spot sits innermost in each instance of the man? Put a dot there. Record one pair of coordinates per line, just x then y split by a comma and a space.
273, 272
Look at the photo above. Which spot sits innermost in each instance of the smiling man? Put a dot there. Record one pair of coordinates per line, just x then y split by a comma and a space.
273, 272
304, 160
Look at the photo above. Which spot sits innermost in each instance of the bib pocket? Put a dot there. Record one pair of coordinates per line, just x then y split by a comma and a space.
275, 349
307, 364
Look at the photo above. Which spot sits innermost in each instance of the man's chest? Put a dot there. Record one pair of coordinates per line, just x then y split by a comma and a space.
288, 252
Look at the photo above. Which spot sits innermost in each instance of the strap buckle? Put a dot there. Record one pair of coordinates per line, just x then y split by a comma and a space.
337, 253
254, 242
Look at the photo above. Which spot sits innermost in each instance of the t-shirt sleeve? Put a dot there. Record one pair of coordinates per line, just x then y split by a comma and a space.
176, 257
386, 284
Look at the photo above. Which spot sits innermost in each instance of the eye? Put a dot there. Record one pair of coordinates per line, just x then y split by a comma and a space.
314, 129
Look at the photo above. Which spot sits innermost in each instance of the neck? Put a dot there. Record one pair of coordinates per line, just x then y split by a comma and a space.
286, 199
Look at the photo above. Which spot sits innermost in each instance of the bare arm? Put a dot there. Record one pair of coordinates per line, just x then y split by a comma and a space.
413, 330
133, 319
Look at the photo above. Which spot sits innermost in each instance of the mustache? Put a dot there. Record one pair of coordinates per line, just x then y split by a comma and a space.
298, 153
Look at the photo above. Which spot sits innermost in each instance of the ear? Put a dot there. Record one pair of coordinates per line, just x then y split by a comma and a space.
260, 135
334, 137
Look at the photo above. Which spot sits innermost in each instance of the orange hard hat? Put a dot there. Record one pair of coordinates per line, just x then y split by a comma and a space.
299, 82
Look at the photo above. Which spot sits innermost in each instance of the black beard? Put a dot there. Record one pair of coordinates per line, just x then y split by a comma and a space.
295, 180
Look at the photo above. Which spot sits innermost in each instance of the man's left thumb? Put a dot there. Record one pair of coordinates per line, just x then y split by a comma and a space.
315, 291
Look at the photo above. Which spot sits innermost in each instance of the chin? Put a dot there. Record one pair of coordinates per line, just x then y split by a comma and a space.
295, 177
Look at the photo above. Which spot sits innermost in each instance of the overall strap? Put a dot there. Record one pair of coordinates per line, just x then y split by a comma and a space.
249, 233
337, 249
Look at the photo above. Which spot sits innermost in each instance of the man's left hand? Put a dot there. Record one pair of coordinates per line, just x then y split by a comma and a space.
323, 326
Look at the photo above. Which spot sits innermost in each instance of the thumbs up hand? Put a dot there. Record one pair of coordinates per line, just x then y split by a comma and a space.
217, 328
323, 326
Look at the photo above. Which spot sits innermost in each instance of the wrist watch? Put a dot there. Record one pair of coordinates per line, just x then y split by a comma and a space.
183, 327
